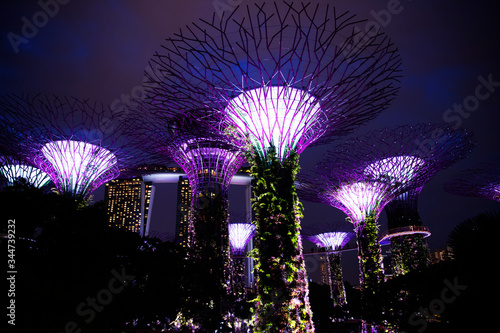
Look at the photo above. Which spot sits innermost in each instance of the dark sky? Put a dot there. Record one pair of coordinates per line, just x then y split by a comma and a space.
99, 50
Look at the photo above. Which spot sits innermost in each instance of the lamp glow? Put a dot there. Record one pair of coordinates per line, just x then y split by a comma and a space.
239, 236
361, 199
398, 169
274, 116
331, 240
78, 167
34, 176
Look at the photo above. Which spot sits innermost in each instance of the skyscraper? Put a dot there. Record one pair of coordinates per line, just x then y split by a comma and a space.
127, 203
183, 211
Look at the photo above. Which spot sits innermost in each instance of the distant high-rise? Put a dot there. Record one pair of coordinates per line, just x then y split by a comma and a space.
323, 267
183, 211
127, 203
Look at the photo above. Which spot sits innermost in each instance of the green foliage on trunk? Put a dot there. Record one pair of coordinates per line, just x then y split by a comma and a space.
282, 304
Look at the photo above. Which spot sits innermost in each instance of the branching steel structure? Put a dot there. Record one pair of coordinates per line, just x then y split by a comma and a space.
210, 162
364, 174
282, 76
239, 236
481, 180
79, 144
333, 237
12, 168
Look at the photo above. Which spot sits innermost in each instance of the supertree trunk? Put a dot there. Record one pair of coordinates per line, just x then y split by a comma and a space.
371, 268
337, 289
238, 277
208, 300
409, 253
283, 299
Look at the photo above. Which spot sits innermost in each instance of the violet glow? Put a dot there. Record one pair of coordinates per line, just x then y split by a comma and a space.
34, 176
362, 199
208, 164
398, 169
331, 240
274, 116
239, 235
78, 167
481, 180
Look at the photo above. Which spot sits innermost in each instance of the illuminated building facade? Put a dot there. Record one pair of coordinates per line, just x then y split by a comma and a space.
183, 211
127, 203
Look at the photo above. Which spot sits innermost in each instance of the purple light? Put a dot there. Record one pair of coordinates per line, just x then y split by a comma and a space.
398, 169
239, 235
331, 240
362, 199
205, 163
78, 167
403, 231
481, 180
275, 116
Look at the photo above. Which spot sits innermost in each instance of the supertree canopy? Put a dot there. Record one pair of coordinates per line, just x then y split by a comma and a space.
481, 180
333, 239
77, 143
364, 174
239, 236
210, 161
12, 168
282, 76
414, 155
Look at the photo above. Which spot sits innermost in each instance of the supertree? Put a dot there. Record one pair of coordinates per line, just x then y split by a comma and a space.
79, 144
481, 180
12, 168
333, 238
12, 163
426, 150
364, 174
283, 77
239, 236
210, 162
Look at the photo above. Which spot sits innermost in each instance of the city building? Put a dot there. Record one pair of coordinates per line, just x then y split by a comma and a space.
183, 211
127, 203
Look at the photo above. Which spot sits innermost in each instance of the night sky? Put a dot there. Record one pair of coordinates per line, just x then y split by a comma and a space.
100, 49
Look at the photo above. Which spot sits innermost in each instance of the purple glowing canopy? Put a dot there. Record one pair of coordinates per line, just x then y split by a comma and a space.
77, 167
79, 144
481, 180
363, 174
333, 240
207, 158
239, 236
279, 75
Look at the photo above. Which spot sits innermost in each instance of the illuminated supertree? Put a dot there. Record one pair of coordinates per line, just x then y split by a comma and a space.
77, 143
481, 180
333, 239
411, 155
13, 168
239, 236
12, 163
282, 76
363, 175
210, 162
